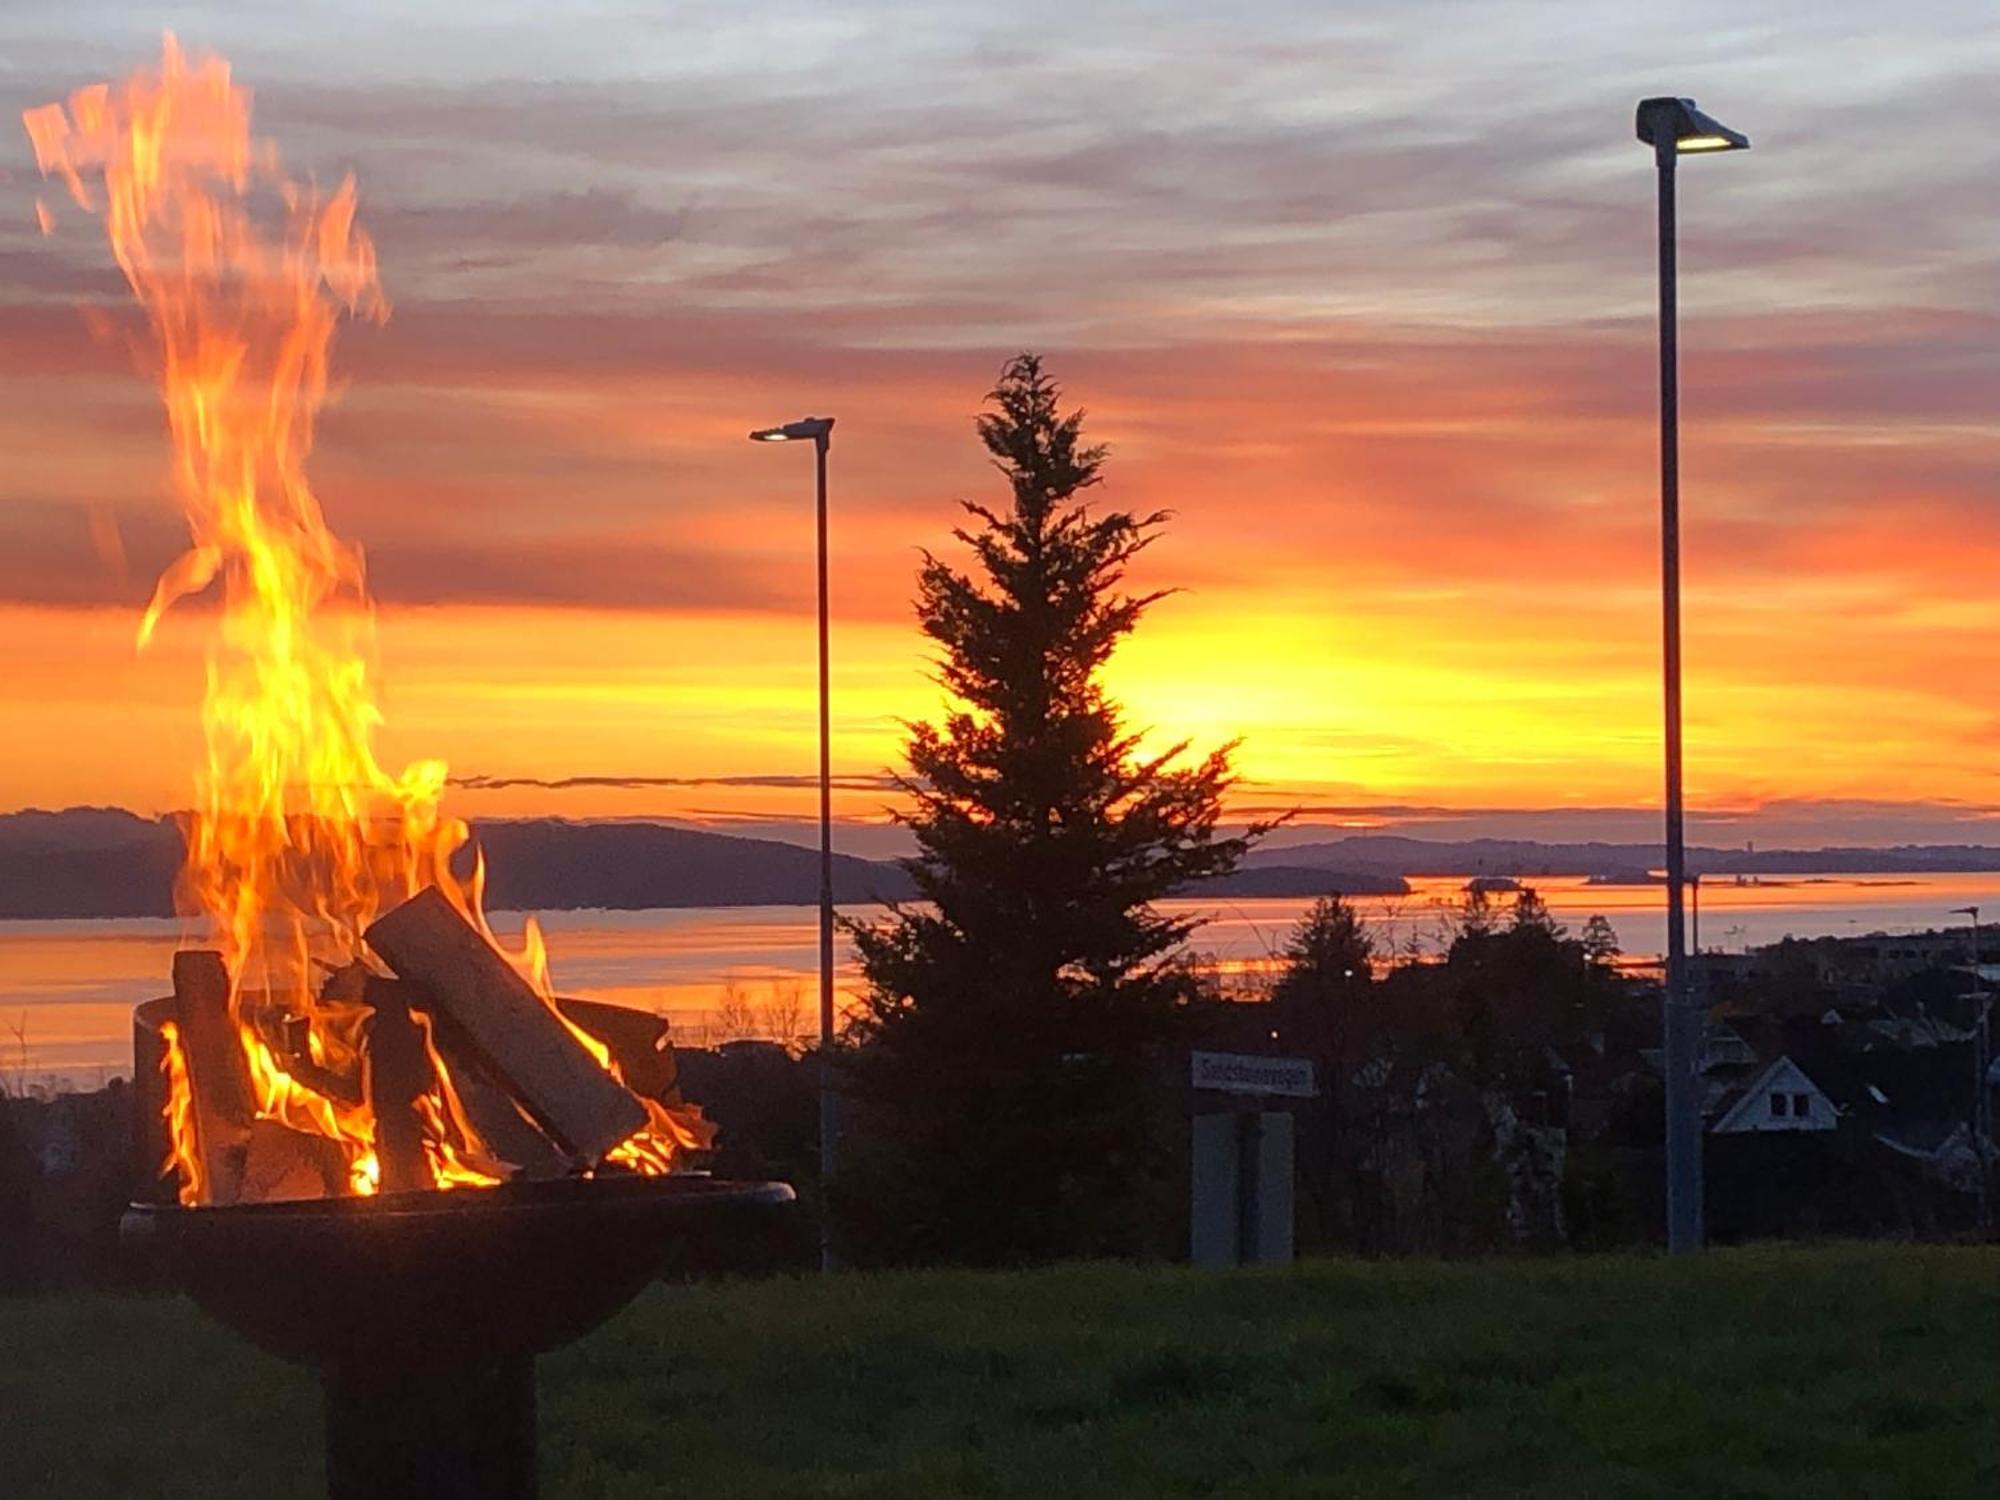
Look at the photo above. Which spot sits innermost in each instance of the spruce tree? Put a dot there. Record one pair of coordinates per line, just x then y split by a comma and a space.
1329, 959
1006, 1062
1600, 941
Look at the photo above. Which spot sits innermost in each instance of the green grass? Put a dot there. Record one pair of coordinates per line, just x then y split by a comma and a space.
1848, 1370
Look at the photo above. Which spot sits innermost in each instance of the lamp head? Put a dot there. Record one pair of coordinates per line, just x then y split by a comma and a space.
814, 429
1675, 126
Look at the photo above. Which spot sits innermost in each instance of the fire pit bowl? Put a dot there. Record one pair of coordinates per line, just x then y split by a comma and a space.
439, 1278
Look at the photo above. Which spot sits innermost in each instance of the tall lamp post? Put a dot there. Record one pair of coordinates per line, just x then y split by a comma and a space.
1675, 128
1694, 895
819, 432
1982, 1050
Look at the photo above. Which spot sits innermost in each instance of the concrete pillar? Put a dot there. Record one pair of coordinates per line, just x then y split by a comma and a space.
1242, 1206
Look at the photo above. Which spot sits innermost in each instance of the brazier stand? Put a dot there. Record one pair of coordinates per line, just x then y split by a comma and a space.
423, 1311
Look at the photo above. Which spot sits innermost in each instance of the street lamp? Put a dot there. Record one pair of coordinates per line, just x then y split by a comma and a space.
819, 432
1673, 128
1982, 1048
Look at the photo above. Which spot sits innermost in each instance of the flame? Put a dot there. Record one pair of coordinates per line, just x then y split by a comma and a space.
299, 837
182, 1159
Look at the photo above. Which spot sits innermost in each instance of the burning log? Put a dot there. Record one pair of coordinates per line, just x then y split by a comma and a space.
223, 1102
514, 1031
638, 1039
397, 1074
510, 1137
281, 1163
293, 1050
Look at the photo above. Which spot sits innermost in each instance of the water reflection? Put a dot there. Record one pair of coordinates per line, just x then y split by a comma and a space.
67, 988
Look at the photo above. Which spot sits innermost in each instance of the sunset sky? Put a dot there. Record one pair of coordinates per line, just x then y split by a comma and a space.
1362, 293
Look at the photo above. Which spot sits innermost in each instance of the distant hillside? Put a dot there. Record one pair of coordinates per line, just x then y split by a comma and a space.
1386, 854
95, 862
551, 865
1298, 881
78, 828
87, 862
104, 862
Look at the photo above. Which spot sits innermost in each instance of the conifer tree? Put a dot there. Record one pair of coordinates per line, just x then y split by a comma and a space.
1600, 941
1006, 1062
1329, 957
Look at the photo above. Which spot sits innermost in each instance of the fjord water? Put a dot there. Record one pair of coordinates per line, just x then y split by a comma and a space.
67, 988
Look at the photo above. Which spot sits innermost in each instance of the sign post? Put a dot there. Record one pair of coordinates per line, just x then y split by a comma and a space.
1242, 1211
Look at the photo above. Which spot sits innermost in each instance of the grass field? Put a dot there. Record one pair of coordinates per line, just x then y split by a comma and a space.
1839, 1371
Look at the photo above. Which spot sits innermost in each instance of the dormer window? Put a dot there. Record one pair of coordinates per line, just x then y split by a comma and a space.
1777, 1105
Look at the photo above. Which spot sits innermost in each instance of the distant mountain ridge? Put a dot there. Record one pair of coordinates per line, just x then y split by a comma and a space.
1393, 854
89, 862
552, 865
106, 862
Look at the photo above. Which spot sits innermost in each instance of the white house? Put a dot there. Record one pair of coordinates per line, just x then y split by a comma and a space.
1781, 1098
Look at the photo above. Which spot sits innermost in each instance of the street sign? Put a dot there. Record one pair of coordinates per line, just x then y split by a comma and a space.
1247, 1073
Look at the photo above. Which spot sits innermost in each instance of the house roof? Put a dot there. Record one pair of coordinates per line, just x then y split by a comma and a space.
1723, 1046
1736, 1101
1919, 1031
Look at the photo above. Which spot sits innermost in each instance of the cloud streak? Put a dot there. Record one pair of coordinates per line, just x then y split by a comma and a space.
845, 783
